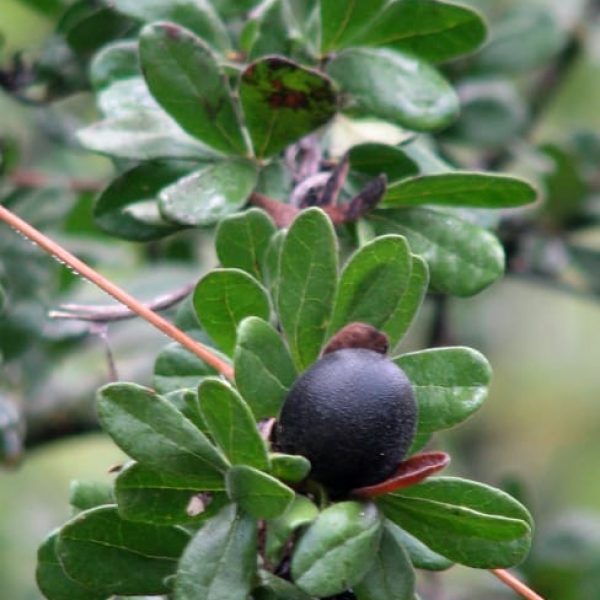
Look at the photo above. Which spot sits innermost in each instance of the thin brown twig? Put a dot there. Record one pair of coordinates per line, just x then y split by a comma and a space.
518, 586
116, 292
107, 314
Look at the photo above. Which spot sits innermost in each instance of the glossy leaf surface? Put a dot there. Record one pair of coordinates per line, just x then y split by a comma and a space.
375, 159
257, 493
264, 371
204, 197
396, 87
289, 467
420, 555
220, 561
184, 77
223, 299
467, 522
337, 549
307, 283
232, 424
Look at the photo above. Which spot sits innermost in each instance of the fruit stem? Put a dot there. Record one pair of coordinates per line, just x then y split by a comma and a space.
54, 249
518, 586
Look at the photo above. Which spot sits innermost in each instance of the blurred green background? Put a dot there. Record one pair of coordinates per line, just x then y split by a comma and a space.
540, 427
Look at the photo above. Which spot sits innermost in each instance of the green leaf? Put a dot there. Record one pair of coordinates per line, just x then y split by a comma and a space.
264, 371
223, 299
473, 190
184, 77
220, 561
89, 494
232, 424
307, 284
177, 368
450, 384
128, 207
283, 102
468, 522
463, 258
271, 264
374, 159
372, 285
153, 432
206, 196
145, 134
289, 467
196, 15
275, 588
159, 497
435, 31
342, 20
52, 580
394, 86
392, 576
299, 513
420, 555
242, 240
114, 62
100, 550
186, 402
338, 549
259, 494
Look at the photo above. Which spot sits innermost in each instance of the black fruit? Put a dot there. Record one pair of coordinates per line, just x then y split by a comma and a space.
353, 415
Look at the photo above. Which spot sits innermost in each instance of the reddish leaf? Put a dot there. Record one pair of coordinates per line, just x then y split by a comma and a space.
358, 335
409, 472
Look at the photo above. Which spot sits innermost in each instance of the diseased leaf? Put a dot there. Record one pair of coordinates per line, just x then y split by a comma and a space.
198, 16
283, 102
99, 550
220, 561
223, 299
307, 283
391, 577
242, 240
52, 580
128, 207
184, 77
206, 196
160, 497
152, 431
467, 522
463, 258
435, 31
231, 424
450, 384
473, 190
257, 493
338, 548
372, 285
264, 371
394, 86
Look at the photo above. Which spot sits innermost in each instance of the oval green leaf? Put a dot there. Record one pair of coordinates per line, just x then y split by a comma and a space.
450, 384
84, 495
242, 240
420, 555
264, 371
101, 551
232, 424
472, 190
463, 258
283, 102
467, 522
220, 561
376, 159
206, 196
391, 576
338, 549
259, 494
397, 87
223, 299
307, 284
184, 77
153, 432
289, 467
